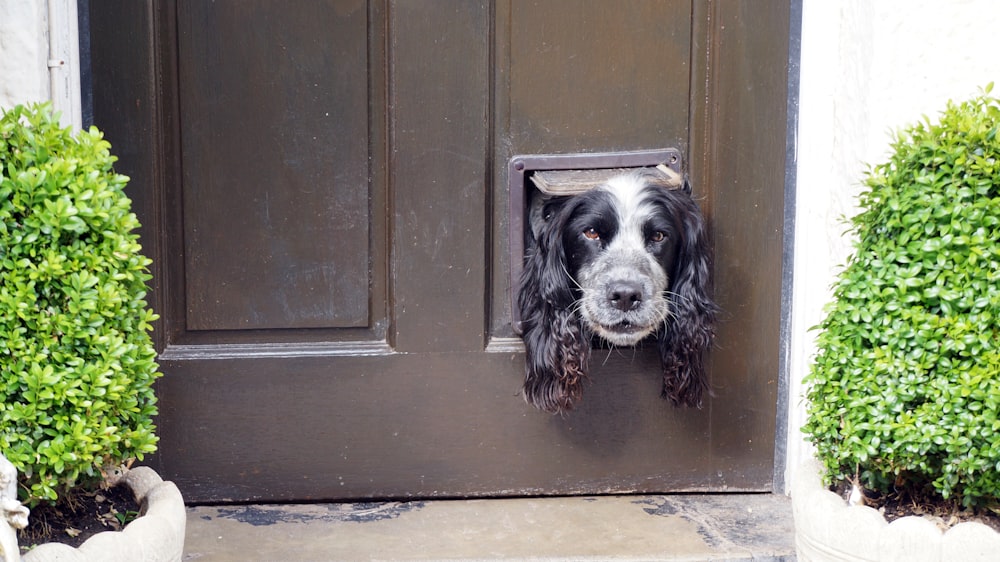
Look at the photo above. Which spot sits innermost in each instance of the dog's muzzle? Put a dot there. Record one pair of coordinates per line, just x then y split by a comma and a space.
625, 310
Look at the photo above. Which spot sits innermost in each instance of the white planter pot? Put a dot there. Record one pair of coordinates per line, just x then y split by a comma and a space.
828, 529
156, 536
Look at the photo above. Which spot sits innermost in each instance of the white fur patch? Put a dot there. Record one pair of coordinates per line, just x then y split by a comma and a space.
625, 260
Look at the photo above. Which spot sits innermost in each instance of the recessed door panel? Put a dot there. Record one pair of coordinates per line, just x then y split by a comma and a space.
274, 152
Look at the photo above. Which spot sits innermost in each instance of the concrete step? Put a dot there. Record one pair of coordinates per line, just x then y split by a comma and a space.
714, 527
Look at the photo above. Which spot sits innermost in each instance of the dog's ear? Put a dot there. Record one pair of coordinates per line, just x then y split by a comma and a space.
690, 328
556, 346
538, 214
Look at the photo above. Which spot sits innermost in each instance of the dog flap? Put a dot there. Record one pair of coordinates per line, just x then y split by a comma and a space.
575, 182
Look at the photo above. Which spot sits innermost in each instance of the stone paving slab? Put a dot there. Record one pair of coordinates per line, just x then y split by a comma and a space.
677, 528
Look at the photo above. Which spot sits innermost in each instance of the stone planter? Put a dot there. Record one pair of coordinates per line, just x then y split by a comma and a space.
827, 529
157, 535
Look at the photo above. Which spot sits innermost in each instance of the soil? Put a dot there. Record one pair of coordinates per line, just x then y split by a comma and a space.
77, 518
903, 502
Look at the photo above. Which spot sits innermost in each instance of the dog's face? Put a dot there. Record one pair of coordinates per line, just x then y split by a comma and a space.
624, 261
621, 246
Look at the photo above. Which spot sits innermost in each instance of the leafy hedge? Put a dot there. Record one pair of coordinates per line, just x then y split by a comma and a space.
76, 359
905, 389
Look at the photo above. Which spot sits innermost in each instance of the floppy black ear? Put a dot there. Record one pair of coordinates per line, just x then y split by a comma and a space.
690, 328
557, 348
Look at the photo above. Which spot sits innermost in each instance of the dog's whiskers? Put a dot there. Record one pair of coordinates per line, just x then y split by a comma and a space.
572, 279
611, 349
678, 296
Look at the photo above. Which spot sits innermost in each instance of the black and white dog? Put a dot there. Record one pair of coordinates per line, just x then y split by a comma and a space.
623, 261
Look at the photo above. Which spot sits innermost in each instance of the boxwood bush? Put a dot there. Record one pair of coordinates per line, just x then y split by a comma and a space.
76, 358
905, 388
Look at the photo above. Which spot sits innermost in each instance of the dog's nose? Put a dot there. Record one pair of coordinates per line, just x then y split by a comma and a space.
625, 295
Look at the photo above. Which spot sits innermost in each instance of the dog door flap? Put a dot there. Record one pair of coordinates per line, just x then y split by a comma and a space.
575, 182
557, 175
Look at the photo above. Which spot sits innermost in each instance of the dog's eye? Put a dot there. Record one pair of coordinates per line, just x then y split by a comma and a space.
592, 234
657, 236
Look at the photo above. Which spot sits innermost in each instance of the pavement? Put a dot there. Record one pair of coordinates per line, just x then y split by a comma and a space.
700, 527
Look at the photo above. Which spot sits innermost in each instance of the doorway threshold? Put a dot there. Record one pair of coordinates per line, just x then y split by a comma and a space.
690, 527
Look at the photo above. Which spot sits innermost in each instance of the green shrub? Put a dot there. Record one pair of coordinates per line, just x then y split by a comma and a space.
905, 387
76, 358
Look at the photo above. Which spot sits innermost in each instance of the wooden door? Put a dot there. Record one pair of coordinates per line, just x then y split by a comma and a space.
322, 186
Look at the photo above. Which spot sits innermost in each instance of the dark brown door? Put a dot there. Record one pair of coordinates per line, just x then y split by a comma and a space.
323, 190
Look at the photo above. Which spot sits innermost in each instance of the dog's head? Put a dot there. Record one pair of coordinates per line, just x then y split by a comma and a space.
623, 261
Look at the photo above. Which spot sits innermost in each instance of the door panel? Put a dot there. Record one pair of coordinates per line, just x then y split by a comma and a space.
274, 180
429, 425
325, 204
585, 77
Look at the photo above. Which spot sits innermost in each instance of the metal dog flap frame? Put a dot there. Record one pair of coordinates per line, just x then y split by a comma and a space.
588, 169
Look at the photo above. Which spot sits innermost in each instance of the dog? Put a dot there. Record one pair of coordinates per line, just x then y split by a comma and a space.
627, 260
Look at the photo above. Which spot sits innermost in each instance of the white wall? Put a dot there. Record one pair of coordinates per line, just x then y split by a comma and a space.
868, 67
39, 55
24, 52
